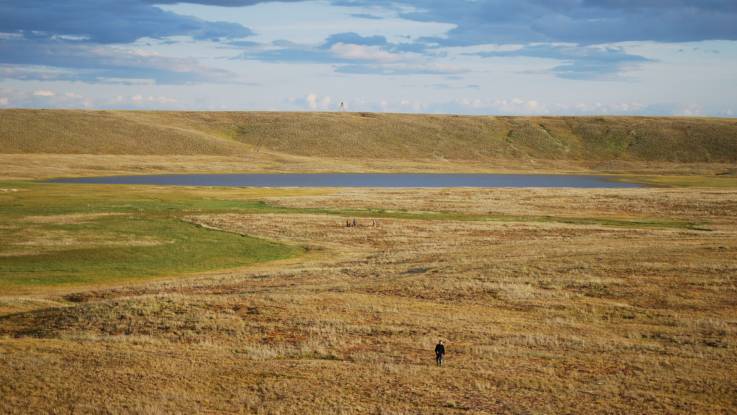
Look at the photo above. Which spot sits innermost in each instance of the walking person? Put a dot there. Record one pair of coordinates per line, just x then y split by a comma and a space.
439, 353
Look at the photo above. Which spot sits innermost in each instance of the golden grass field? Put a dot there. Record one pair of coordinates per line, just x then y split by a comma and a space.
539, 316
153, 300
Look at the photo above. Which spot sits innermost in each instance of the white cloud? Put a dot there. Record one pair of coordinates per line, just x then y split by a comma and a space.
366, 53
44, 93
139, 99
70, 37
312, 101
125, 81
691, 111
4, 101
143, 53
411, 105
315, 102
499, 106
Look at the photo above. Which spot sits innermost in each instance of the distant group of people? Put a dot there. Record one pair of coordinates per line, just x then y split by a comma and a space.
353, 223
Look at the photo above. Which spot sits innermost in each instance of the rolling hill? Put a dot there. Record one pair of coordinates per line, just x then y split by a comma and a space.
369, 135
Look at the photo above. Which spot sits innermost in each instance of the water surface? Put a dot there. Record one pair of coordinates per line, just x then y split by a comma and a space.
359, 180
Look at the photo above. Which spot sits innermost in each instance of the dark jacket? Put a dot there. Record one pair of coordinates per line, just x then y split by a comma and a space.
439, 349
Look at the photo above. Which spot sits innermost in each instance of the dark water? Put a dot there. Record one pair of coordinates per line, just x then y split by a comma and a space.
359, 180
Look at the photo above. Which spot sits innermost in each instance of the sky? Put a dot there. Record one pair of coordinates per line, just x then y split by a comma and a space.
496, 57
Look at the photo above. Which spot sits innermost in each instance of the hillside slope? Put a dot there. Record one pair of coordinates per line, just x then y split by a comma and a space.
370, 136
103, 132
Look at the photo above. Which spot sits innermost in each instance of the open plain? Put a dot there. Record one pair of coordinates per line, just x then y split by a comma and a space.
147, 299
627, 303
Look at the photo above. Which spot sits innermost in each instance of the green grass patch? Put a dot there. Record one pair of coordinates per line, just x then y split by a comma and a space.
177, 247
147, 239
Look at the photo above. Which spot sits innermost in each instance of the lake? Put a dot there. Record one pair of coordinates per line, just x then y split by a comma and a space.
359, 180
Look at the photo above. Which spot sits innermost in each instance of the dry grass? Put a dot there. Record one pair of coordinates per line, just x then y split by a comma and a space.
45, 143
370, 136
44, 166
539, 317
712, 204
102, 132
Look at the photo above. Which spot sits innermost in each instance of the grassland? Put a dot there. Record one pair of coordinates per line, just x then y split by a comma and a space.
368, 136
46, 143
98, 234
624, 304
145, 299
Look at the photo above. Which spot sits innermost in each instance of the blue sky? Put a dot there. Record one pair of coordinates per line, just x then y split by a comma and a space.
645, 57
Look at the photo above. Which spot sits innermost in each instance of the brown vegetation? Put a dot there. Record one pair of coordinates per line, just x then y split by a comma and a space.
538, 317
607, 142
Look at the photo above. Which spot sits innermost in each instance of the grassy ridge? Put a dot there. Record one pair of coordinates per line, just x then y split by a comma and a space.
370, 136
100, 132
